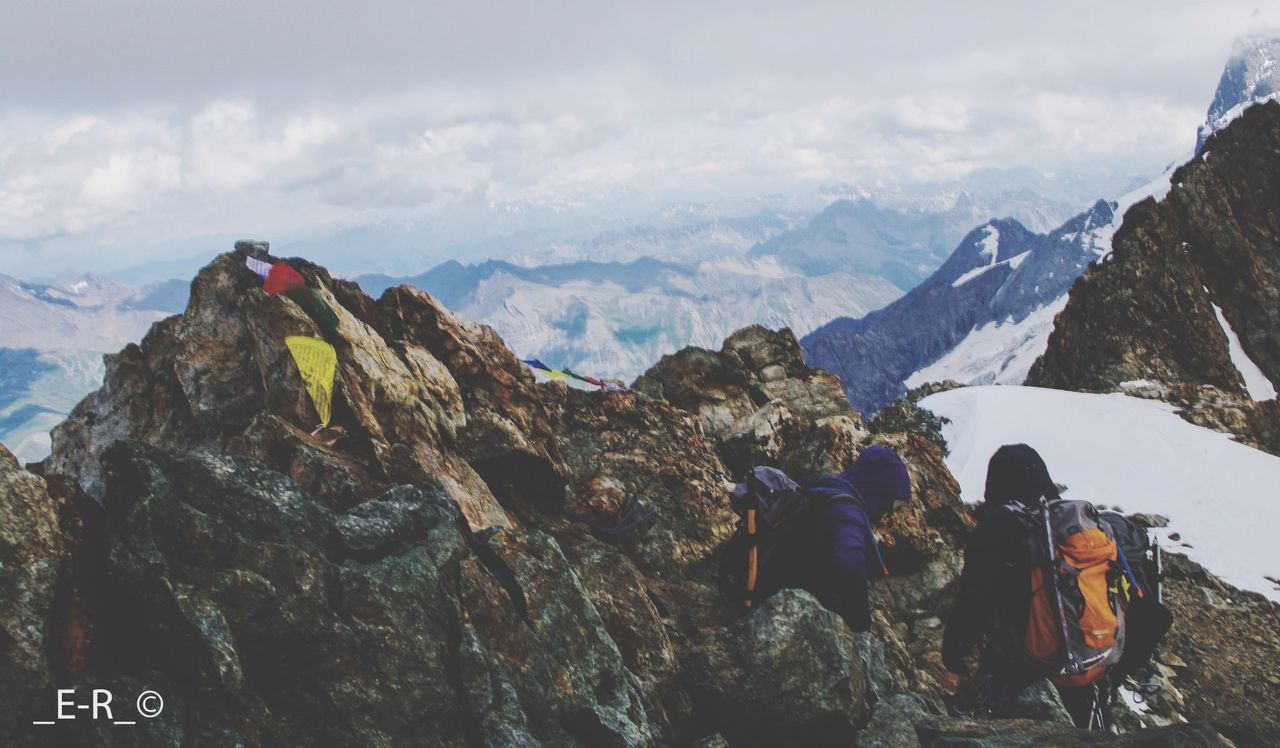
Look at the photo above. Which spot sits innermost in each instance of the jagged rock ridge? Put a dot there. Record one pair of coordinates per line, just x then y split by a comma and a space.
1147, 320
451, 570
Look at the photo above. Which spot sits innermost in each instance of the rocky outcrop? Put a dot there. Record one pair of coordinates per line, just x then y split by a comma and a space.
759, 374
789, 672
759, 402
1222, 654
1146, 316
31, 553
463, 557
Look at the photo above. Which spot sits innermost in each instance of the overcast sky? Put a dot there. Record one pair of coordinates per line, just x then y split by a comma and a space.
124, 123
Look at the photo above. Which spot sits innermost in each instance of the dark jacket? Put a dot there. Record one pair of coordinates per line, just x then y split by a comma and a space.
994, 592
841, 550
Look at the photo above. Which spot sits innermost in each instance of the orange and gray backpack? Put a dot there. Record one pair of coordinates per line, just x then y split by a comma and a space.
1075, 624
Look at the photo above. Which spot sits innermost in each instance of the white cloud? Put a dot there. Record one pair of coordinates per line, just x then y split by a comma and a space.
127, 177
209, 119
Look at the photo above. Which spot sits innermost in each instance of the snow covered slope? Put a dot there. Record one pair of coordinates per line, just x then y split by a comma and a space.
1220, 496
996, 352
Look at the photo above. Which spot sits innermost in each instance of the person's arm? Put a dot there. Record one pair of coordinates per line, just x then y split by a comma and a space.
974, 597
846, 536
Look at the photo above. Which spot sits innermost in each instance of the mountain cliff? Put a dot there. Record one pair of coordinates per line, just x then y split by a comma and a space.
1002, 283
465, 557
1187, 306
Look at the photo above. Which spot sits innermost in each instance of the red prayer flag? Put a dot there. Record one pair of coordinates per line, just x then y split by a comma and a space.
282, 278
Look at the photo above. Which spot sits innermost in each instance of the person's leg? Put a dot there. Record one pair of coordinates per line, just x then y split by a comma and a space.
1079, 701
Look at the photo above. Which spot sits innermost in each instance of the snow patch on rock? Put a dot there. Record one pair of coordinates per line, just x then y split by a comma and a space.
1256, 382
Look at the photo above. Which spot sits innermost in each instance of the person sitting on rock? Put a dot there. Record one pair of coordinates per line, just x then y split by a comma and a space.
827, 548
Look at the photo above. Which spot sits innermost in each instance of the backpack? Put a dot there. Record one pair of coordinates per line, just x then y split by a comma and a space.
1076, 620
1138, 552
1146, 619
770, 548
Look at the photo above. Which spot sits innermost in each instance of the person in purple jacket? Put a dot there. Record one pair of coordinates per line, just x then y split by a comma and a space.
841, 554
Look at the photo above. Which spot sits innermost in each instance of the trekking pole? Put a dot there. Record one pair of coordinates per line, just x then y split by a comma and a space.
1159, 558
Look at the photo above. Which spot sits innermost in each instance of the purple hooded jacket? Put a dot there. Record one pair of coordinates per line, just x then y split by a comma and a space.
843, 551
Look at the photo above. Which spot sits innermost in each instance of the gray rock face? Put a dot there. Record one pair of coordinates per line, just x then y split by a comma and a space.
1039, 701
31, 551
789, 671
284, 623
893, 723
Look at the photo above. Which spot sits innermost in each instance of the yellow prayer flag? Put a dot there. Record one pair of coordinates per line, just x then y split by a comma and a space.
318, 364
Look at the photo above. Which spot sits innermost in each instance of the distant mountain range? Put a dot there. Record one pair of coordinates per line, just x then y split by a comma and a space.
616, 319
982, 317
626, 297
903, 244
52, 338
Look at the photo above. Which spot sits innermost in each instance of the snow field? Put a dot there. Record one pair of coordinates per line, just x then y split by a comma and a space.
1221, 497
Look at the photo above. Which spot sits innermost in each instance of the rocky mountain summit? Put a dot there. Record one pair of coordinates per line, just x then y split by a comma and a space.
1187, 306
466, 557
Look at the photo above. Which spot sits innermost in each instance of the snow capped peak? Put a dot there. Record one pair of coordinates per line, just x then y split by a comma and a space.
988, 250
1252, 75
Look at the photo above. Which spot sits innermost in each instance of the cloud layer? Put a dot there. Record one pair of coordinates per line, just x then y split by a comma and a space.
144, 121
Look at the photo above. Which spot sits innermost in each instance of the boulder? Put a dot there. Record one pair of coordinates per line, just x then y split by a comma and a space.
893, 723
789, 672
759, 402
281, 621
219, 378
